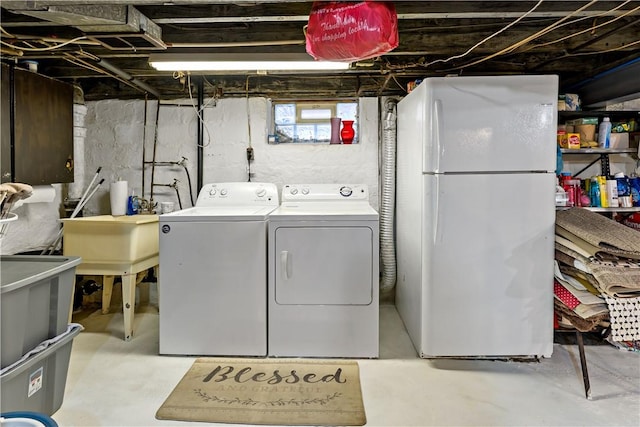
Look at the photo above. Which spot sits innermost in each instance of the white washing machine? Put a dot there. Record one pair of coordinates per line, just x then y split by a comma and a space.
213, 272
323, 273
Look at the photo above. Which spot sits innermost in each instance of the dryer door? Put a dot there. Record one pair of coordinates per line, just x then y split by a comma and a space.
324, 265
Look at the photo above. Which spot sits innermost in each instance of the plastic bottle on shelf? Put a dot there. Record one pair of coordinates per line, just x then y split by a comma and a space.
624, 190
604, 197
604, 133
561, 195
594, 190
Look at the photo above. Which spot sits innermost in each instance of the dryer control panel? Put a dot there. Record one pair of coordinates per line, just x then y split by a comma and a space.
325, 192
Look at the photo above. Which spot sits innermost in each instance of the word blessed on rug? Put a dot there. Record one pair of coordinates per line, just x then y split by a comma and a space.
268, 391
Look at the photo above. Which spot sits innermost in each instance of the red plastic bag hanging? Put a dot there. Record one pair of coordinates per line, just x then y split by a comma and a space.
351, 31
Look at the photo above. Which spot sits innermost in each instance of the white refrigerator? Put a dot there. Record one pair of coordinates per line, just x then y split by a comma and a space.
475, 214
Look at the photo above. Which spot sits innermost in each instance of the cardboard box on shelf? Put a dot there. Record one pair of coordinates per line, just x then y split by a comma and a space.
569, 140
619, 140
587, 132
568, 102
634, 139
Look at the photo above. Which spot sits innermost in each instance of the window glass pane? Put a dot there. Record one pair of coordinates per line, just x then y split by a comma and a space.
323, 133
305, 133
315, 114
285, 133
309, 121
285, 114
347, 111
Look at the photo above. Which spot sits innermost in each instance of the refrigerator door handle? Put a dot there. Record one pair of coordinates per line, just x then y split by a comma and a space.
436, 127
435, 214
285, 265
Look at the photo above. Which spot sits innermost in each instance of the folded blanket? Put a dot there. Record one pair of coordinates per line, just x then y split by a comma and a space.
619, 282
616, 277
581, 303
600, 232
586, 279
581, 324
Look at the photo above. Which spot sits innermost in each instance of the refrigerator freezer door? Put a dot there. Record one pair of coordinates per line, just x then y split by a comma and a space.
488, 265
487, 124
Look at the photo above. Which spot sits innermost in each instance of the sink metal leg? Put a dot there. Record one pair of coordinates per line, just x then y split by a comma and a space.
583, 363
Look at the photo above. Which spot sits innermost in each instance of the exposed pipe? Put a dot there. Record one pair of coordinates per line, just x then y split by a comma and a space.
388, 191
139, 83
173, 185
236, 44
183, 163
144, 140
155, 147
200, 136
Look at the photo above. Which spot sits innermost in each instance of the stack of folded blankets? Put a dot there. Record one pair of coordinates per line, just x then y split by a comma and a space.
597, 279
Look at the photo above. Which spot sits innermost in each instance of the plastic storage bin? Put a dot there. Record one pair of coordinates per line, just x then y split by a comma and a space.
37, 384
26, 419
106, 239
36, 293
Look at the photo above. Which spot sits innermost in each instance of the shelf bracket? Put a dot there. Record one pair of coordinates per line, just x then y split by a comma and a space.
604, 162
588, 166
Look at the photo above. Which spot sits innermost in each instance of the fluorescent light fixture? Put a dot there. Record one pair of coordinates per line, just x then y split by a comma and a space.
240, 62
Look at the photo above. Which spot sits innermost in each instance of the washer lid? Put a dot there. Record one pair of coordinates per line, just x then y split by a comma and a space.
220, 213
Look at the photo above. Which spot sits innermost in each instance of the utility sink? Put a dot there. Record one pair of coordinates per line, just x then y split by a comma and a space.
107, 239
114, 246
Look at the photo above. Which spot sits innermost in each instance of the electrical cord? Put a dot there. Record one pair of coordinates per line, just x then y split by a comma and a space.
526, 40
487, 38
588, 29
198, 113
43, 49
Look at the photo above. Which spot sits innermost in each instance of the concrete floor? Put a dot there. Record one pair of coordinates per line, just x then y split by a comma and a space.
116, 383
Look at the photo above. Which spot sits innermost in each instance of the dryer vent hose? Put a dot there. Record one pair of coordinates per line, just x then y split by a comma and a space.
388, 204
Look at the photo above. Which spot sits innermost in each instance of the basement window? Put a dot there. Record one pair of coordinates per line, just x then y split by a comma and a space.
309, 121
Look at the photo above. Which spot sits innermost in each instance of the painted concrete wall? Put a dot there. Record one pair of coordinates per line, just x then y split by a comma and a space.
120, 132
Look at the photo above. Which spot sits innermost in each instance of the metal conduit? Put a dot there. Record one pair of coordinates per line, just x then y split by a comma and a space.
121, 73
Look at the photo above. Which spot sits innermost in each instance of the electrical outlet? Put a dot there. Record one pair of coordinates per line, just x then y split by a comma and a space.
250, 154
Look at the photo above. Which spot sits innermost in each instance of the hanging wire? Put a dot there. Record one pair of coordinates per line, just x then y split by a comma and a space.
198, 113
42, 49
526, 40
487, 38
588, 29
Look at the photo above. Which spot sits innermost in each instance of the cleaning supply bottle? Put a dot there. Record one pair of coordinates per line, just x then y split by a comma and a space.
604, 133
561, 194
594, 189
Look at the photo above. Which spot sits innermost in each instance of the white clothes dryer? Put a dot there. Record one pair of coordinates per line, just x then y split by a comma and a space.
323, 273
213, 272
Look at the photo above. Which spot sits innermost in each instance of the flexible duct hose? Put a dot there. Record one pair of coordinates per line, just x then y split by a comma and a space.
387, 208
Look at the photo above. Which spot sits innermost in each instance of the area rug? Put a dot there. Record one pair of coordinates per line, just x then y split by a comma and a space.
607, 235
268, 391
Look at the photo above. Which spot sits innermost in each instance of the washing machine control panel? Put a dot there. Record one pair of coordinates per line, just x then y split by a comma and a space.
238, 194
325, 192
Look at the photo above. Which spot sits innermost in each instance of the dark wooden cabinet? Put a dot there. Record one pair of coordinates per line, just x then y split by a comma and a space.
39, 115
